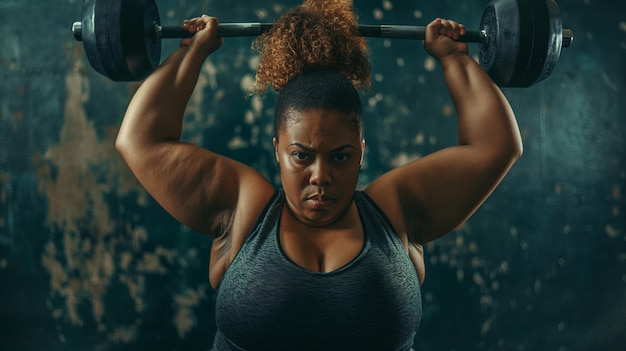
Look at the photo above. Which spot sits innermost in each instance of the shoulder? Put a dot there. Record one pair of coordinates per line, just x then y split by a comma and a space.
383, 192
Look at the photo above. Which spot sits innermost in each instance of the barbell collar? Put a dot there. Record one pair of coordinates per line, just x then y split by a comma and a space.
77, 30
568, 38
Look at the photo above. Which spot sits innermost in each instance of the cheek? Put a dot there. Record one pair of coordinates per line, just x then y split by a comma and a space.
291, 175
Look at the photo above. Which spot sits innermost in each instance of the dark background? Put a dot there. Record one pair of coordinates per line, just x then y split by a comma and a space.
88, 261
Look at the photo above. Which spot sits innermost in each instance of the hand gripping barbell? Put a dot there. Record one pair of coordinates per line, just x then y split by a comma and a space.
520, 40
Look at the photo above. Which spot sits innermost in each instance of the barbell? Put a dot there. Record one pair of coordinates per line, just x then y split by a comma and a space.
520, 40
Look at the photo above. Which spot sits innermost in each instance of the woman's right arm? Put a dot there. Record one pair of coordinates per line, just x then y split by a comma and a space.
203, 190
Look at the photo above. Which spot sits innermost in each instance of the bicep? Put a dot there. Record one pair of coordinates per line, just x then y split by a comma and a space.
435, 194
197, 187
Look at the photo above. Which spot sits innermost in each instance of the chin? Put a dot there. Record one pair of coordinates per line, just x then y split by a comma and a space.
319, 223
322, 218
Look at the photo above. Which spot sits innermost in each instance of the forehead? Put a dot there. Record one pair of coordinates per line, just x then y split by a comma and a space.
320, 121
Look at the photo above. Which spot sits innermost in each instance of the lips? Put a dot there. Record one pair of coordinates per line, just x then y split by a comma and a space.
319, 201
319, 197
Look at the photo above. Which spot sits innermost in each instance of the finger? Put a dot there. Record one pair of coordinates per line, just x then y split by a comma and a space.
201, 23
442, 29
457, 29
462, 30
432, 30
194, 24
451, 29
189, 24
212, 24
434, 27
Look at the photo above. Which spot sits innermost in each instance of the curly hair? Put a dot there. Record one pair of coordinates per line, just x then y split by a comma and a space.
316, 34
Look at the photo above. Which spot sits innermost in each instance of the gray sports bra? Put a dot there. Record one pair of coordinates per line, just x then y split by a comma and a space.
267, 302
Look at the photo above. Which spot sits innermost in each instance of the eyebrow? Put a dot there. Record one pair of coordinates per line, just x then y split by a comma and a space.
337, 149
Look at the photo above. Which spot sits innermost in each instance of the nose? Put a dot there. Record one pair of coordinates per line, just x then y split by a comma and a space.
320, 173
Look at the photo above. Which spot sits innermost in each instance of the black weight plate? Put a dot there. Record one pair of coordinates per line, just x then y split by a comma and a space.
526, 42
487, 51
110, 17
555, 39
531, 71
116, 38
139, 40
92, 34
534, 37
152, 44
499, 53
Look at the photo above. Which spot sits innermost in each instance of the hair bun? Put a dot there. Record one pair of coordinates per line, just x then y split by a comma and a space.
316, 34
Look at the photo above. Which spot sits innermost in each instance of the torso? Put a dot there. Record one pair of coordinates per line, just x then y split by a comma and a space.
316, 250
280, 295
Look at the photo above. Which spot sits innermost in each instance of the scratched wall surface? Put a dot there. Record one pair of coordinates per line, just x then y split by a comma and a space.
88, 261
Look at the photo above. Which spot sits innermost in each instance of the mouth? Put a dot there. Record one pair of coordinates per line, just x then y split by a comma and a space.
319, 201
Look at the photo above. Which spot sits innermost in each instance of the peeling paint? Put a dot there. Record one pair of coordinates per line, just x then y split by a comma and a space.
84, 257
185, 302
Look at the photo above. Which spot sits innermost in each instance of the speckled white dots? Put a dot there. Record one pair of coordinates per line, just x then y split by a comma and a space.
261, 13
246, 83
249, 117
523, 245
373, 101
419, 139
430, 64
611, 231
237, 143
378, 14
257, 105
253, 62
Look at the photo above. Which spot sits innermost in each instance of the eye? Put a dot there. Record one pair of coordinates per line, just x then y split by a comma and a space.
299, 156
341, 157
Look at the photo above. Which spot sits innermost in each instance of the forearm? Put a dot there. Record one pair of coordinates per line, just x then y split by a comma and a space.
485, 118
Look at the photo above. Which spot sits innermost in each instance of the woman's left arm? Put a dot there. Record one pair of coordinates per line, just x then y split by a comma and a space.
431, 196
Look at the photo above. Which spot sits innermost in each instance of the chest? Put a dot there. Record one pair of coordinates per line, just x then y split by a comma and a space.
324, 250
270, 300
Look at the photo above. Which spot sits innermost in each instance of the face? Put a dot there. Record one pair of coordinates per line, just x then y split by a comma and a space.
319, 153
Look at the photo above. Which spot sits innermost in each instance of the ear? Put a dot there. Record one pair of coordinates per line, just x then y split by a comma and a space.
275, 142
362, 151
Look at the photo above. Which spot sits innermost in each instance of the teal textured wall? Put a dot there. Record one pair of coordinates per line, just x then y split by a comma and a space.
88, 260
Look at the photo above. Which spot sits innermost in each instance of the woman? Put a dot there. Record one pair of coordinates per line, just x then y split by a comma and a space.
316, 264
